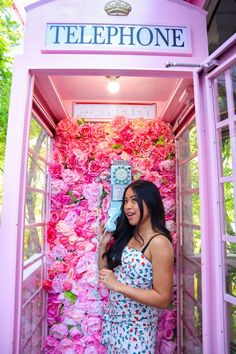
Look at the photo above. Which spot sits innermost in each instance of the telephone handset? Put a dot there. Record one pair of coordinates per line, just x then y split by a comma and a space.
120, 179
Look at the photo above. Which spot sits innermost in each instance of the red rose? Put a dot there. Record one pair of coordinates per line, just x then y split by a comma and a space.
47, 285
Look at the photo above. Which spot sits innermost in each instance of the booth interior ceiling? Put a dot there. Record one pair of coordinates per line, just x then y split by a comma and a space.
171, 96
80, 197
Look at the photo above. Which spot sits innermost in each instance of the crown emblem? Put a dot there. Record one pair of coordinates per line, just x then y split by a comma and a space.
117, 8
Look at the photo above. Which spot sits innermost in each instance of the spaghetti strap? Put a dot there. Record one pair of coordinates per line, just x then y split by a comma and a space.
146, 246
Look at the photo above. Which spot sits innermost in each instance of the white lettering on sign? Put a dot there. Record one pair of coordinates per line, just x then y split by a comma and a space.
110, 110
79, 37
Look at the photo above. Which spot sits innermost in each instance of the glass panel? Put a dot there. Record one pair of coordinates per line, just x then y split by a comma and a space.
32, 280
230, 268
189, 174
191, 241
31, 317
188, 143
193, 140
34, 345
36, 177
190, 344
192, 317
191, 209
222, 99
35, 207
229, 220
38, 139
226, 155
192, 278
231, 316
33, 241
233, 76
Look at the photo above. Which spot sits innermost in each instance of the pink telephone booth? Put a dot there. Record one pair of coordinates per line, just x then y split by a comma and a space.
157, 52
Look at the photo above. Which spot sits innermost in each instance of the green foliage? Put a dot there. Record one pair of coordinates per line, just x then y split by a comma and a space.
10, 35
70, 296
117, 146
160, 141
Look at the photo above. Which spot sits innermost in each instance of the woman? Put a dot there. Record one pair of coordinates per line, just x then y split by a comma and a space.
138, 269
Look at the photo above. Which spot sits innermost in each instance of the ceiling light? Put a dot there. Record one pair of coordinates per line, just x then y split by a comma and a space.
113, 85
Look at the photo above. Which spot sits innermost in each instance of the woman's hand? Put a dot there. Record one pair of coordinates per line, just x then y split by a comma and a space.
107, 277
106, 237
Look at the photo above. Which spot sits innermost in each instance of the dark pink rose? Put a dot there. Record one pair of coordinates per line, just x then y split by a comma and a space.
47, 285
51, 341
55, 170
167, 346
51, 234
59, 267
53, 309
67, 286
94, 168
86, 131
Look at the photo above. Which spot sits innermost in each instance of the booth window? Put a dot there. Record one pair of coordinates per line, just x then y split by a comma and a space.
225, 122
37, 196
190, 241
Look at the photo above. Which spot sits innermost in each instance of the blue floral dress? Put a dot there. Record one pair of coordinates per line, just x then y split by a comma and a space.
130, 327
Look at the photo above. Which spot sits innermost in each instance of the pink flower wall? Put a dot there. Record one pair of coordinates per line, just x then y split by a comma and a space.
80, 197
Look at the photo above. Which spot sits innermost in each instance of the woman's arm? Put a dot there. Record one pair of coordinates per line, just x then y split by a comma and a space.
162, 255
102, 248
102, 261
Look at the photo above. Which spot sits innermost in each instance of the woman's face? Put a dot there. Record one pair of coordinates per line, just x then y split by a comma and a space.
131, 208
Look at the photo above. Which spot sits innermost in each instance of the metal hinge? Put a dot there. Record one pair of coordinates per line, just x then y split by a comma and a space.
190, 65
212, 64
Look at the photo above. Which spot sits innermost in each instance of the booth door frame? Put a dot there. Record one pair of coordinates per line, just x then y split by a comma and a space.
25, 67
214, 238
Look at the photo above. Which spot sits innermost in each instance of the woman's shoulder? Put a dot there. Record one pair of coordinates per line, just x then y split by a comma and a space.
160, 243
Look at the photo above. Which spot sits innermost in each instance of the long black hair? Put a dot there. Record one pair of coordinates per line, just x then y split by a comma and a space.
148, 193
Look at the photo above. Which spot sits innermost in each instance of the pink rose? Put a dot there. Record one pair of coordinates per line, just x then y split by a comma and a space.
59, 330
51, 234
88, 341
71, 218
73, 238
51, 341
94, 168
58, 252
171, 226
54, 216
169, 204
71, 161
58, 186
168, 165
91, 325
53, 309
75, 333
66, 346
86, 263
70, 177
86, 131
67, 286
168, 334
74, 314
167, 347
55, 170
59, 267
47, 285
64, 228
83, 204
64, 241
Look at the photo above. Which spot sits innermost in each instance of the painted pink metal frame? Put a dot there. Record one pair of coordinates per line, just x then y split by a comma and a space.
213, 283
11, 240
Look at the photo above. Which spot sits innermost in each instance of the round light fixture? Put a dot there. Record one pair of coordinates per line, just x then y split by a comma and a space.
113, 85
